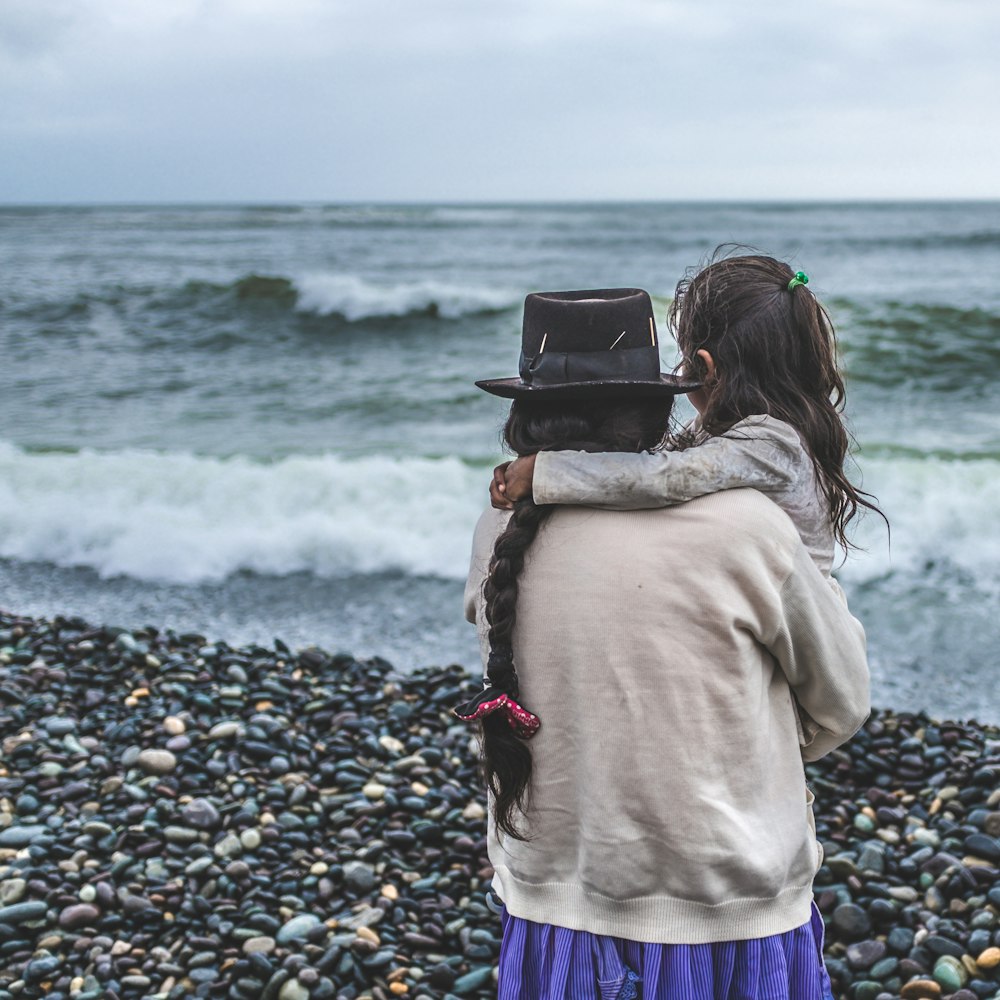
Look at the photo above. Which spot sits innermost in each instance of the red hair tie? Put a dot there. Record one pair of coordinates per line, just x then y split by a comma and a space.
523, 722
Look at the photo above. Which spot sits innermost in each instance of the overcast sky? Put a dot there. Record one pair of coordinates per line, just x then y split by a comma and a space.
273, 100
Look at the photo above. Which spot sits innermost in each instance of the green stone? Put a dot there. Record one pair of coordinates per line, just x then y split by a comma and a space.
867, 990
884, 968
472, 981
950, 973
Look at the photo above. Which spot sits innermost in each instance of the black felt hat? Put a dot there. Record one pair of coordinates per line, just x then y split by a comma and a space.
587, 343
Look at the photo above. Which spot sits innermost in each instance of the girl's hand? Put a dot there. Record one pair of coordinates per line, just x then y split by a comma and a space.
498, 488
512, 481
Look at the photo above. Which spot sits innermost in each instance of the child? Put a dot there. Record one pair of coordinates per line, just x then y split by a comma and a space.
769, 412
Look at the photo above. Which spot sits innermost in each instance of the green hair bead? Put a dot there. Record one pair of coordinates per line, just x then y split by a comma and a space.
801, 278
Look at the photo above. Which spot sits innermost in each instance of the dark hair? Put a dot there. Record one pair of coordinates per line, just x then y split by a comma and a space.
615, 424
775, 351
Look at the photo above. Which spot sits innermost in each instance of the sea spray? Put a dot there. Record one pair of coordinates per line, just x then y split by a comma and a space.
184, 518
187, 518
356, 299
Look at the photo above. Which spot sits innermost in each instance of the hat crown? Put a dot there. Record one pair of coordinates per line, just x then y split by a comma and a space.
587, 320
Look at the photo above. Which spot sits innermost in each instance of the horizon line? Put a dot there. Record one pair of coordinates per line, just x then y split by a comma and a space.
504, 202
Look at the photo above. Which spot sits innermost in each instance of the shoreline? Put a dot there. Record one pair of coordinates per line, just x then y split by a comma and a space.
416, 621
181, 818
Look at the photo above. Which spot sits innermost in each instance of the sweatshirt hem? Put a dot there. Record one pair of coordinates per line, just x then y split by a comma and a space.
654, 919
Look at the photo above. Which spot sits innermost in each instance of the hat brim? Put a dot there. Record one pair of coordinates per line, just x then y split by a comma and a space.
515, 388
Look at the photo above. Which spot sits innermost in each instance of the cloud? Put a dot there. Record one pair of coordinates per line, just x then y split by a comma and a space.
330, 99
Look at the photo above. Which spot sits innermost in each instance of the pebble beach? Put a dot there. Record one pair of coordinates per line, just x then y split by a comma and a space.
181, 818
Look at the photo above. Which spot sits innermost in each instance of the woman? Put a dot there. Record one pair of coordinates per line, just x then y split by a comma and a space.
650, 827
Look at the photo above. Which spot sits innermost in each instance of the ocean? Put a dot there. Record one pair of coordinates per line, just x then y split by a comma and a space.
260, 421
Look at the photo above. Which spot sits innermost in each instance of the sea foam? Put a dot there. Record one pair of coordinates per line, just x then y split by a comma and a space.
185, 518
188, 519
942, 517
356, 299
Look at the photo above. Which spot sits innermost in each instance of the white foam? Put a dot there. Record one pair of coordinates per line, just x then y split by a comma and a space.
355, 299
187, 519
943, 515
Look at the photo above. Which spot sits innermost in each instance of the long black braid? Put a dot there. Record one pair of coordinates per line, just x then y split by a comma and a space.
615, 424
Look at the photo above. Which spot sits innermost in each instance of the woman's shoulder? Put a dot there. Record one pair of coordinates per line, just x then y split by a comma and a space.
714, 520
744, 512
491, 522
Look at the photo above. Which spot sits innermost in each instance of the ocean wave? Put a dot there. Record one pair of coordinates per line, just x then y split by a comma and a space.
168, 516
189, 519
919, 343
907, 317
349, 297
355, 299
942, 514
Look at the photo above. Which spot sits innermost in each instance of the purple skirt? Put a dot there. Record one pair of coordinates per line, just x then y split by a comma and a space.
542, 962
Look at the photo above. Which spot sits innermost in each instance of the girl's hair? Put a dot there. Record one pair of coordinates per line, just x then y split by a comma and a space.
775, 351
615, 424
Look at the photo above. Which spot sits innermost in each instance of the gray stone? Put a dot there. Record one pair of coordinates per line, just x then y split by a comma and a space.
180, 834
851, 921
21, 913
199, 865
228, 847
359, 877
60, 725
368, 917
21, 836
871, 859
938, 945
983, 846
900, 940
42, 968
864, 954
79, 915
225, 730
297, 927
202, 814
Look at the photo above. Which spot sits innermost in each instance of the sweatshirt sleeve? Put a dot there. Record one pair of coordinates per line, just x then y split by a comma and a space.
755, 455
820, 647
490, 524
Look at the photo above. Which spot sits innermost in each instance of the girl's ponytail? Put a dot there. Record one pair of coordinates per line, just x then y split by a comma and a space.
775, 351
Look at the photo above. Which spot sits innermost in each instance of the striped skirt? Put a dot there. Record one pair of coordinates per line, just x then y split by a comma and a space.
542, 962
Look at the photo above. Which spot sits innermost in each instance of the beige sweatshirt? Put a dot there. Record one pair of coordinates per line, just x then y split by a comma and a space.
660, 649
760, 452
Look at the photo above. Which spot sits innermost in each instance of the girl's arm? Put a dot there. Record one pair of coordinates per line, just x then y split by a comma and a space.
760, 453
